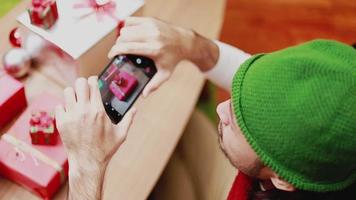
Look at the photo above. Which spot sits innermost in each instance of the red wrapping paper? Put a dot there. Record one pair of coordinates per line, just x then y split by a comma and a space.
12, 98
27, 168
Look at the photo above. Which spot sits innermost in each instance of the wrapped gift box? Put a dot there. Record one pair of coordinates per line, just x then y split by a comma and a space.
43, 128
43, 13
12, 98
40, 168
86, 34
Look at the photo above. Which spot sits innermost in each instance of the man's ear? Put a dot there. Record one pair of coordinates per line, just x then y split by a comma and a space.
282, 184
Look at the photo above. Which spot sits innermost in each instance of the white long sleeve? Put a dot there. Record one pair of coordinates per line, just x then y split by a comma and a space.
230, 59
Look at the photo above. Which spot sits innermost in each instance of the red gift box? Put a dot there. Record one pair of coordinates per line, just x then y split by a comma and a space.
123, 85
43, 128
40, 168
43, 13
12, 98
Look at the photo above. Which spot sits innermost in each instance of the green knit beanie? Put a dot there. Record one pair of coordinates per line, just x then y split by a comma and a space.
297, 109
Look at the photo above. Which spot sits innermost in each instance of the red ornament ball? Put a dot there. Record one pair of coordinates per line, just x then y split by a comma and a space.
15, 37
16, 62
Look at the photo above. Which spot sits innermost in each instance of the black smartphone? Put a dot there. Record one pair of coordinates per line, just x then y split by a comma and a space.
122, 81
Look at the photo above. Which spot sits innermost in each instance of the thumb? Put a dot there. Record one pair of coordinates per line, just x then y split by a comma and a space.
123, 127
156, 82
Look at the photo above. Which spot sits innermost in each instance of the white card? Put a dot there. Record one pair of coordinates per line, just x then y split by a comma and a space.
79, 29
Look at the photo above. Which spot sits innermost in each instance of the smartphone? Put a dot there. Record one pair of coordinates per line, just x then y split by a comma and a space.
122, 81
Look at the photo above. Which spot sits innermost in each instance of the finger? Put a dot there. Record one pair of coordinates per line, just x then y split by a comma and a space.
69, 98
134, 34
155, 83
133, 21
95, 96
59, 114
137, 48
82, 90
123, 127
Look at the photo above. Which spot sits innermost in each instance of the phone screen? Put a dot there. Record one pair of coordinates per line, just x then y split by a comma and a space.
122, 82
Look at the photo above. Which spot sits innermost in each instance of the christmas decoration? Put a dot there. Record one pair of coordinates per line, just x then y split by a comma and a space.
15, 37
16, 62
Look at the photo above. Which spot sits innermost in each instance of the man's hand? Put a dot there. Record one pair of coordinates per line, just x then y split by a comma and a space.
89, 137
166, 44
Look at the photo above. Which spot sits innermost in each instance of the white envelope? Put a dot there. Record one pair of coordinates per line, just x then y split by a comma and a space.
79, 29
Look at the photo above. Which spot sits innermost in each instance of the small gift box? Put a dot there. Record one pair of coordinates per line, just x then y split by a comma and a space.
41, 169
43, 13
12, 98
123, 85
43, 128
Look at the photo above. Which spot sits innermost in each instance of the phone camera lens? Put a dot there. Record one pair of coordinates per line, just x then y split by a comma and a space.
139, 61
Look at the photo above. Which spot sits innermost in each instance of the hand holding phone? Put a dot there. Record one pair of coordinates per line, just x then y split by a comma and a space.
122, 81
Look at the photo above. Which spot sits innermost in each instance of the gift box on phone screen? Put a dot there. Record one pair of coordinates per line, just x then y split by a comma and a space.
41, 169
123, 84
12, 98
85, 30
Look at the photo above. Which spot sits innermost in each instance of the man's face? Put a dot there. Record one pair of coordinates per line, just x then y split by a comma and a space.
233, 143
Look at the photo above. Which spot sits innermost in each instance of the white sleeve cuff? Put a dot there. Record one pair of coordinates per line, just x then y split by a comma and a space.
230, 59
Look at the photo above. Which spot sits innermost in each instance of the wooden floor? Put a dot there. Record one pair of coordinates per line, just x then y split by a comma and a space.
263, 26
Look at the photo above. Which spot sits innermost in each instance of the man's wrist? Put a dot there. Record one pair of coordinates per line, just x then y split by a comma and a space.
84, 167
201, 51
86, 179
187, 39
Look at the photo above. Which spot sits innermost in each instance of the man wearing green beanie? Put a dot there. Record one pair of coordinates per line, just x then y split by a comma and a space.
289, 127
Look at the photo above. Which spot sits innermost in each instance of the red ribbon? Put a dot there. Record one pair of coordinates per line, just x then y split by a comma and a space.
100, 10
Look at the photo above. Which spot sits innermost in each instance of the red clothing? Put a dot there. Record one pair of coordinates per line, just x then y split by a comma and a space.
240, 187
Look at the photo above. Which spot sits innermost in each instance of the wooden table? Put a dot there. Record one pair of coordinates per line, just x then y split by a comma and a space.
161, 118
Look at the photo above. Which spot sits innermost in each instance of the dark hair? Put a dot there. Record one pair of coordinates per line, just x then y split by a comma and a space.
274, 194
354, 45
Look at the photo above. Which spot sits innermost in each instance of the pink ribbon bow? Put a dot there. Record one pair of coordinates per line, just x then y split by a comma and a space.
100, 9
